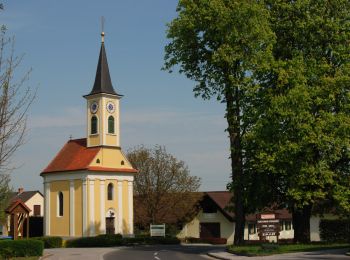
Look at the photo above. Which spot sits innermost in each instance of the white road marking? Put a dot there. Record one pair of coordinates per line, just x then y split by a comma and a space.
155, 256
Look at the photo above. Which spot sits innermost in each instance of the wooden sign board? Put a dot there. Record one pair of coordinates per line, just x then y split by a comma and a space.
268, 225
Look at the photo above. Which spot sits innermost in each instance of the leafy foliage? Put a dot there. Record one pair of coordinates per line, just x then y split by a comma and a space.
21, 248
50, 242
336, 230
221, 44
161, 186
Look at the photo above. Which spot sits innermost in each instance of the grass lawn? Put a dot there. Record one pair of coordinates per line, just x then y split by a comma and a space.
25, 258
271, 249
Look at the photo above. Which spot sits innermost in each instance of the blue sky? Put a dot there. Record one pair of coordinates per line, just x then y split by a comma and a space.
61, 41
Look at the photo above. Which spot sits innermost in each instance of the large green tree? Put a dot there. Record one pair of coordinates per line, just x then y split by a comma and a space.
220, 44
300, 145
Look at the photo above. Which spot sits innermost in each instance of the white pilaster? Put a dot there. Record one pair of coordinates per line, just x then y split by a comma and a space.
102, 207
47, 208
118, 122
120, 207
71, 209
85, 208
131, 207
92, 207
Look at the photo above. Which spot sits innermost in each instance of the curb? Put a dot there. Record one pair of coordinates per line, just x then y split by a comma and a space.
221, 255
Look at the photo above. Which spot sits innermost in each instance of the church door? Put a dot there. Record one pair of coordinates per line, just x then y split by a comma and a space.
110, 226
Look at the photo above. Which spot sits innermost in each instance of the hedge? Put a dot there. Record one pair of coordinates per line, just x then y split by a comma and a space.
118, 240
336, 230
209, 240
98, 241
21, 248
50, 242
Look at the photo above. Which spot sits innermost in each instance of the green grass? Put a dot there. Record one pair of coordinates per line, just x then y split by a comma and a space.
271, 249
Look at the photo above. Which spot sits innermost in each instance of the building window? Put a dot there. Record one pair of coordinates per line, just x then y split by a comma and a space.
251, 228
60, 204
110, 191
111, 125
287, 225
94, 123
37, 209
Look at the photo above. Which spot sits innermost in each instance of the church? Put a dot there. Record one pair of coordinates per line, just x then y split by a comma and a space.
88, 186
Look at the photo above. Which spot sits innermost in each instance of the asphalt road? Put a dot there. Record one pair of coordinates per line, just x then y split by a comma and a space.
161, 252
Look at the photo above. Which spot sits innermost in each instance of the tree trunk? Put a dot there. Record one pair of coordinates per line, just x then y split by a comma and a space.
301, 224
233, 120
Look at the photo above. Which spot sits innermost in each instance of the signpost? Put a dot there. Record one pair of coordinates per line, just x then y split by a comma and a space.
157, 230
268, 225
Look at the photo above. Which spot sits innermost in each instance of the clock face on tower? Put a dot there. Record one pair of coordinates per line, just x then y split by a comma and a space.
94, 107
110, 107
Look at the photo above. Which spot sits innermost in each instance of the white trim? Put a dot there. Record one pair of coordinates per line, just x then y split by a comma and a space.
73, 175
71, 209
85, 207
92, 207
118, 122
47, 207
112, 176
103, 126
120, 207
58, 204
131, 201
102, 207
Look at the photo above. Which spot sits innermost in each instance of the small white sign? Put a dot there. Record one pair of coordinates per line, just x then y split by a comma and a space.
157, 230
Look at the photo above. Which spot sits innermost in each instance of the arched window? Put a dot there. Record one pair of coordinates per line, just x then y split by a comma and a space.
94, 123
60, 204
111, 125
110, 191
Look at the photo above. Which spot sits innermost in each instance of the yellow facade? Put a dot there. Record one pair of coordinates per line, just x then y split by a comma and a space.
103, 136
111, 157
59, 225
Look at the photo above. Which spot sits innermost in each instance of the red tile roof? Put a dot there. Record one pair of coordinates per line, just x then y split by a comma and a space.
76, 156
73, 156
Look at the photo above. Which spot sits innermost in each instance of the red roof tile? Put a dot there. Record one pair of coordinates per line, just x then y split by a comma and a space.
73, 156
222, 199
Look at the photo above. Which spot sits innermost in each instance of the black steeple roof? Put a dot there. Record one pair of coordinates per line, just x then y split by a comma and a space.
103, 83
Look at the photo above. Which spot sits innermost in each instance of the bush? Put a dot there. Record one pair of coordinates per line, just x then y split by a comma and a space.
209, 240
336, 230
50, 242
98, 241
21, 248
118, 240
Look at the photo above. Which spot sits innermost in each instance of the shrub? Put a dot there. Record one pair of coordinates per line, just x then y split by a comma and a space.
209, 240
21, 248
50, 242
336, 230
118, 240
98, 241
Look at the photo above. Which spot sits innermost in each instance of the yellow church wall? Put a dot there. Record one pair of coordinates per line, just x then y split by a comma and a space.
59, 226
94, 140
78, 202
97, 207
111, 158
111, 139
111, 203
125, 208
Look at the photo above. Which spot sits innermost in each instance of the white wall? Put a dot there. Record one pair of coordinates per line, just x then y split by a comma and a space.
37, 199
